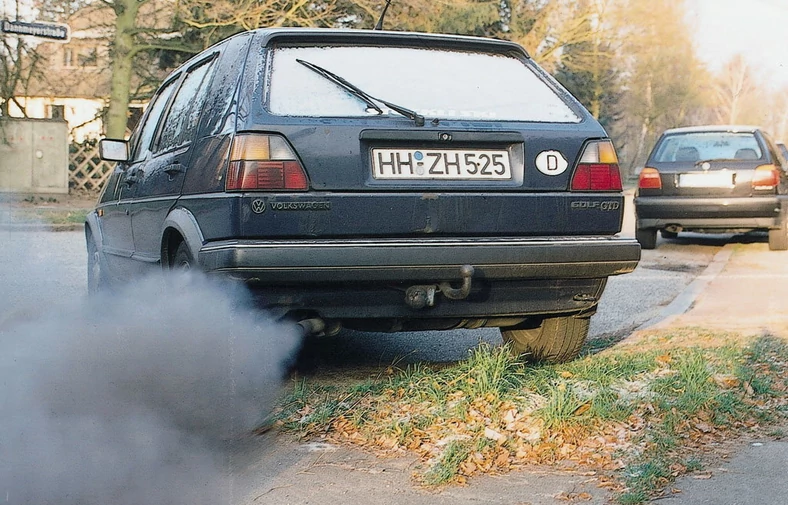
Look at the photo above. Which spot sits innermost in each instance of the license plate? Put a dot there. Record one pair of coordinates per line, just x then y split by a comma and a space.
442, 164
719, 179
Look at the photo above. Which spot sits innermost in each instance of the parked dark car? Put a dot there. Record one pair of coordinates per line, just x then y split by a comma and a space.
373, 180
713, 179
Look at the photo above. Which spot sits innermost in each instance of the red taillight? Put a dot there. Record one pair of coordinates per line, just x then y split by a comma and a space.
264, 162
649, 179
596, 177
765, 177
597, 169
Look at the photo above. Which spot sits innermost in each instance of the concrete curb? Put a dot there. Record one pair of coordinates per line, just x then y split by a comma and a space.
683, 302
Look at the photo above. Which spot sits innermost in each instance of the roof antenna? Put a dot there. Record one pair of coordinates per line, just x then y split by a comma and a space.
379, 25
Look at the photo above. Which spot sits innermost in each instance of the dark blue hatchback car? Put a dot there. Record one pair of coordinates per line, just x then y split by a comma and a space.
373, 180
713, 179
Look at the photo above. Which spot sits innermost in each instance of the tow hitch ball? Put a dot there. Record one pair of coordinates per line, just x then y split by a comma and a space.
421, 296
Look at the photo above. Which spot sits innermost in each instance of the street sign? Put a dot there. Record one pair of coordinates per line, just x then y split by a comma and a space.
44, 30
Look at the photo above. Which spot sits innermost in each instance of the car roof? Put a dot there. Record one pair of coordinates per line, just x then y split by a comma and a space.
327, 34
713, 128
385, 34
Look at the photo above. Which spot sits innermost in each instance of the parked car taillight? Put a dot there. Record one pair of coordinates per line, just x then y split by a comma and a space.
765, 177
597, 169
264, 162
649, 179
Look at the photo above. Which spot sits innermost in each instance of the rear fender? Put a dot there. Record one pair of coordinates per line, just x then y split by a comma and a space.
180, 225
93, 228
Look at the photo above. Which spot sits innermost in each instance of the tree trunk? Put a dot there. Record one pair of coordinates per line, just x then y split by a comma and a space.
122, 61
644, 129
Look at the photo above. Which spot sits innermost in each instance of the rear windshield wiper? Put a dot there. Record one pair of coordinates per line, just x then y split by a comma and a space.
365, 97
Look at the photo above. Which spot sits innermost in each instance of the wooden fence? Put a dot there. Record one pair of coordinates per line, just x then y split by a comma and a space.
86, 171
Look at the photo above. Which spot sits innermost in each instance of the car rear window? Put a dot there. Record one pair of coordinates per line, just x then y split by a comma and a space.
699, 146
436, 83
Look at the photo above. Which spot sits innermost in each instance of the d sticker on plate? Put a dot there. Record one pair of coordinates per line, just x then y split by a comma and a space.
551, 163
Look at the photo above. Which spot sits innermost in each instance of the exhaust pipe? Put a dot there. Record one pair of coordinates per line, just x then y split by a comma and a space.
312, 326
673, 228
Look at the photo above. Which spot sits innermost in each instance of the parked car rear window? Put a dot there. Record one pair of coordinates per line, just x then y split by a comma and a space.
433, 82
708, 146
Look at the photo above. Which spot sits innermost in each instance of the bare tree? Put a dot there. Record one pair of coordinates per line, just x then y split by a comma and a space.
237, 15
661, 73
732, 90
19, 64
143, 27
140, 26
588, 65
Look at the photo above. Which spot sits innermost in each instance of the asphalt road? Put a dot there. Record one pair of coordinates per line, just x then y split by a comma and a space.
38, 265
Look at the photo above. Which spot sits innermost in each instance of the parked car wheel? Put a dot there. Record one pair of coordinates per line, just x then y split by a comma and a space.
97, 278
182, 261
647, 238
778, 239
668, 234
556, 340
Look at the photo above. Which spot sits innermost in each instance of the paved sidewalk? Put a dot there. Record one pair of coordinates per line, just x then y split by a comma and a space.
755, 475
737, 293
294, 473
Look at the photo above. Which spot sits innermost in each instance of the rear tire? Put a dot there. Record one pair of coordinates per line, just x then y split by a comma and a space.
182, 260
668, 234
778, 239
556, 340
647, 237
97, 275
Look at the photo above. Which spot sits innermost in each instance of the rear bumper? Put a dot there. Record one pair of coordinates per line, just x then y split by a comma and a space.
368, 279
708, 213
421, 260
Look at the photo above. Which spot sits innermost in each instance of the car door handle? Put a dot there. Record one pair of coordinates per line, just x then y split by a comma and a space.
175, 168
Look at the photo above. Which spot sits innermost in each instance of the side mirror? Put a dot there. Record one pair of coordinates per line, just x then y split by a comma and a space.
114, 150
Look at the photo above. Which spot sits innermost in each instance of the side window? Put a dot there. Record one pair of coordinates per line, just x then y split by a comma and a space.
148, 128
181, 122
775, 151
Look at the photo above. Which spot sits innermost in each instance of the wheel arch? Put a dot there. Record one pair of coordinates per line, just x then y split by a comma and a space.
93, 229
180, 226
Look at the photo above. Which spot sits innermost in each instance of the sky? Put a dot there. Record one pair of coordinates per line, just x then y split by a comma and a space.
758, 29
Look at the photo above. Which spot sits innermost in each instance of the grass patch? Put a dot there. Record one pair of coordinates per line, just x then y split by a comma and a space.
640, 416
448, 464
45, 216
58, 217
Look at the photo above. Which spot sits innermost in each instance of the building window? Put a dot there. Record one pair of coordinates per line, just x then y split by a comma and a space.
68, 57
57, 111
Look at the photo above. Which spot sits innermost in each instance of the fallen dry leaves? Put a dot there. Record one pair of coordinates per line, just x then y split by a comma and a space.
505, 434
